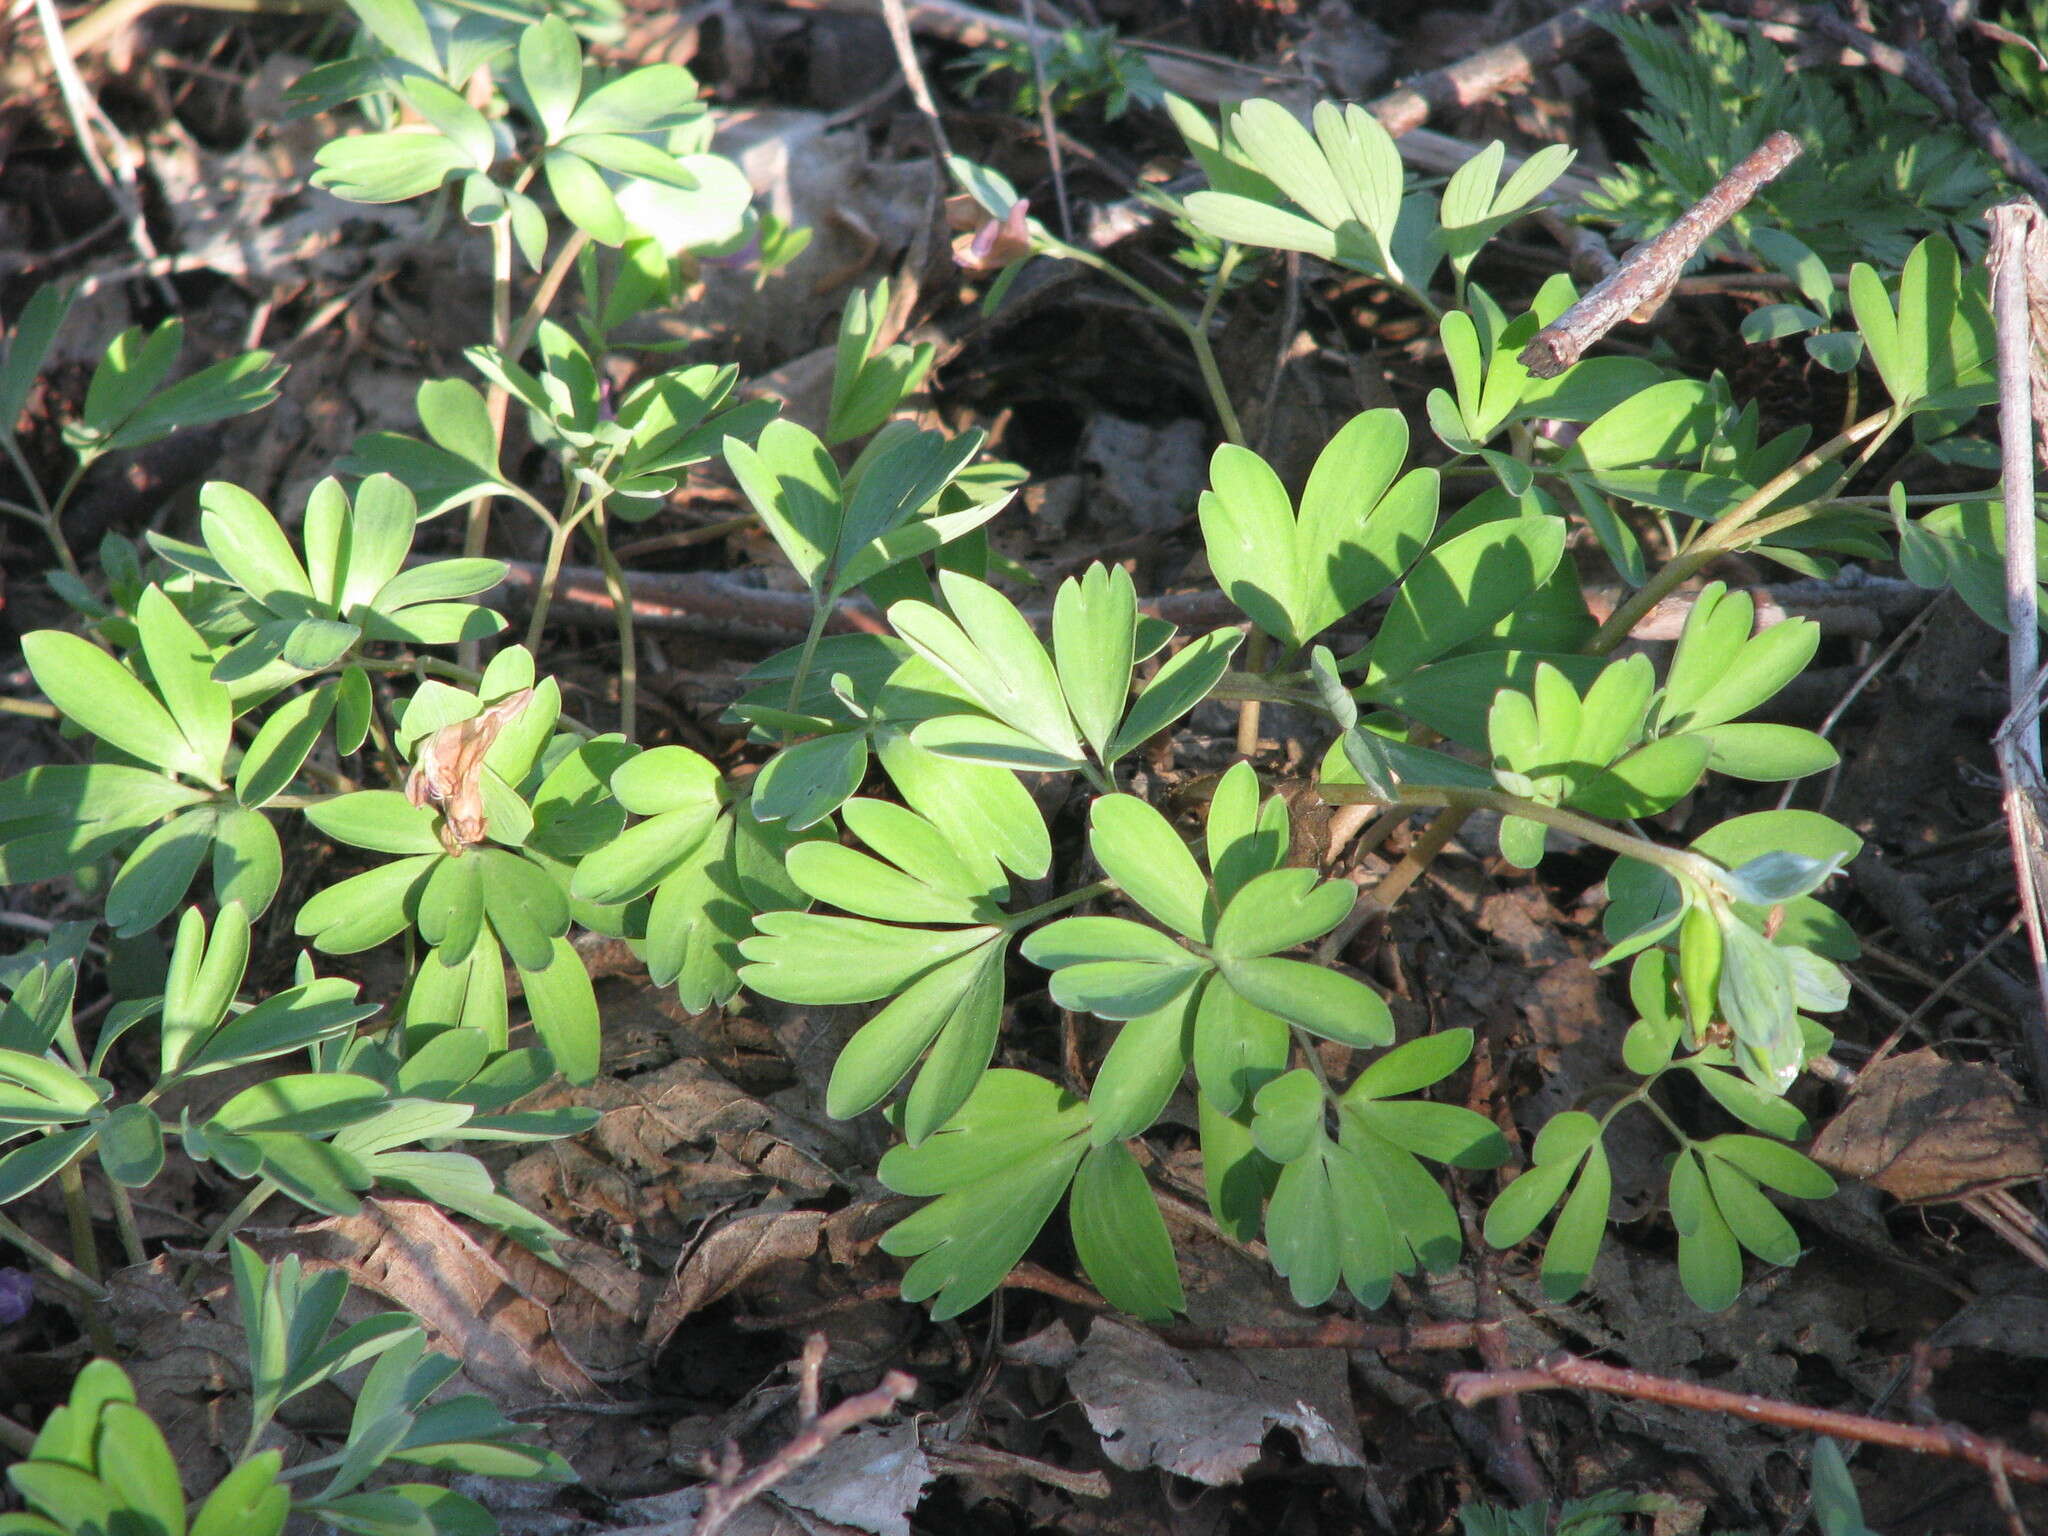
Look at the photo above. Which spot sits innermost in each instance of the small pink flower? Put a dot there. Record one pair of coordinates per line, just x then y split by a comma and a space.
990, 245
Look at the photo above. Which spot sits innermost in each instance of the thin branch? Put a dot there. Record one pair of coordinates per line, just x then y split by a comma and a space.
1637, 288
732, 1488
1559, 1371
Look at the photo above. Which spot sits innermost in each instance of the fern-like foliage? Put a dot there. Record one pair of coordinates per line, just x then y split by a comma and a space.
1881, 168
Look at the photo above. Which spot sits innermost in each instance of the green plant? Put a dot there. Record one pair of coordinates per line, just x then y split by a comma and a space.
258, 674
1078, 66
101, 1464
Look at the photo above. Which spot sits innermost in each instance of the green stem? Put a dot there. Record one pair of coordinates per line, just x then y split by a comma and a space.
231, 1223
85, 1250
1196, 334
124, 1223
1679, 863
551, 570
821, 610
84, 1246
53, 1261
622, 608
1016, 922
1727, 532
544, 296
497, 403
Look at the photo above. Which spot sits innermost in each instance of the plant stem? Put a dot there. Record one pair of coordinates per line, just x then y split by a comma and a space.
821, 610
544, 296
622, 609
85, 1249
1248, 708
53, 1261
1018, 921
231, 1223
551, 572
124, 1223
1680, 863
1197, 335
1731, 530
84, 1246
497, 403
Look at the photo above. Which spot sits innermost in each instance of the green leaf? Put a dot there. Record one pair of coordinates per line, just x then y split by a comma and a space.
992, 654
1094, 628
35, 329
29, 1167
249, 1501
149, 886
248, 859
1462, 588
1186, 678
800, 957
382, 820
1288, 1116
1238, 1048
1279, 910
1120, 1237
386, 167
584, 198
965, 993
132, 1145
245, 538
1752, 1219
1574, 1244
1322, 1001
1772, 1163
794, 487
364, 910
1138, 849
551, 69
564, 1009
1143, 1068
282, 745
309, 1103
645, 100
1709, 1259
100, 694
805, 783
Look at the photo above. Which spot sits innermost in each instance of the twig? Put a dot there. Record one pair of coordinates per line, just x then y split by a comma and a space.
1516, 1462
731, 1488
1558, 1371
1494, 71
897, 20
1330, 1333
85, 113
2018, 258
1637, 288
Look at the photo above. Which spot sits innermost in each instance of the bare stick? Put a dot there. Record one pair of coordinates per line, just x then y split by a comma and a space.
1637, 288
1330, 1333
2018, 258
731, 1488
1494, 71
1561, 1370
898, 22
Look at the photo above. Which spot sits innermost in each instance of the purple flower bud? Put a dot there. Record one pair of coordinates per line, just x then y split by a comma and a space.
17, 1295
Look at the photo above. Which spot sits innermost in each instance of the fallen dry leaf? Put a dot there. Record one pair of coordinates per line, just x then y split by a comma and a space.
1925, 1129
411, 1253
870, 1478
1203, 1416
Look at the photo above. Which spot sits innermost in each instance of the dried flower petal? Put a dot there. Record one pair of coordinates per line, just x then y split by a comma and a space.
449, 771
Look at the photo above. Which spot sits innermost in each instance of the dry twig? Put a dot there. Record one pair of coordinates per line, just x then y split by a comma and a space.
1637, 288
1561, 1370
2018, 258
732, 1487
